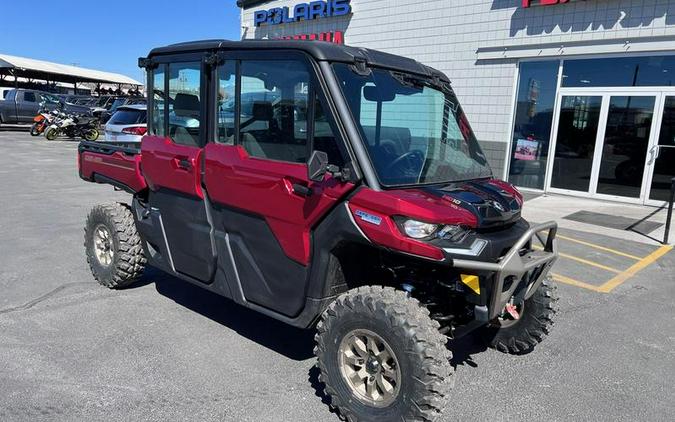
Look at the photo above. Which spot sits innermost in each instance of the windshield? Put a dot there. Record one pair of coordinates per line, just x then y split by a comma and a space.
415, 133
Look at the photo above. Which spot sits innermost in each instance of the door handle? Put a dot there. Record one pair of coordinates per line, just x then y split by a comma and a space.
301, 190
182, 163
654, 151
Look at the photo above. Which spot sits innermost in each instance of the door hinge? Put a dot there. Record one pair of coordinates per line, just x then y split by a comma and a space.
146, 63
213, 59
360, 66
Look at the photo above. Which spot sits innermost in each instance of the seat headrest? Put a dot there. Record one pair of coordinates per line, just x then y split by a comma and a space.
263, 110
186, 102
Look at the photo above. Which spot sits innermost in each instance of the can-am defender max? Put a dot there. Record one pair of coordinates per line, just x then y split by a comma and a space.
334, 188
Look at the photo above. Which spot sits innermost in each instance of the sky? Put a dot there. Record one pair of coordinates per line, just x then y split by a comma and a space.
110, 36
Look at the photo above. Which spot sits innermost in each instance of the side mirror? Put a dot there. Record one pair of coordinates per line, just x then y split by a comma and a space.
317, 166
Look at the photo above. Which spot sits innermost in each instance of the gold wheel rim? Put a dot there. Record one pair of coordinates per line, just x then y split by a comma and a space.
370, 368
103, 245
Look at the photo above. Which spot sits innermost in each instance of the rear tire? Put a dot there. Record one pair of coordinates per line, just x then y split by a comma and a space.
34, 131
113, 246
91, 135
536, 319
51, 134
386, 320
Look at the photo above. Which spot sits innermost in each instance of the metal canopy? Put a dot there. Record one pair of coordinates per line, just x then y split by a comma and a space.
37, 69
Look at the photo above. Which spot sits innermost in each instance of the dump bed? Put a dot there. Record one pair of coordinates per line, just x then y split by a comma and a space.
115, 164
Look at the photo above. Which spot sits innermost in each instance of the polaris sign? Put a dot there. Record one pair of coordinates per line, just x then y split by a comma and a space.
303, 11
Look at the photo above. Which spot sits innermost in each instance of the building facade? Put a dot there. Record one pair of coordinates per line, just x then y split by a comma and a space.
566, 96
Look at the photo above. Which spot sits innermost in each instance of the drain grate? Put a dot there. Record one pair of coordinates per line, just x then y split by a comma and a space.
613, 221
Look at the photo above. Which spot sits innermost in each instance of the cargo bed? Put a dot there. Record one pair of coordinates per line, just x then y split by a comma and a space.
116, 164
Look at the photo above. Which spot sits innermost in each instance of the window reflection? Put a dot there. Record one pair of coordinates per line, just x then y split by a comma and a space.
664, 166
624, 152
532, 130
624, 71
575, 144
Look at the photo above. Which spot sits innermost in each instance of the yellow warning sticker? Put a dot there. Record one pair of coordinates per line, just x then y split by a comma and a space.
472, 282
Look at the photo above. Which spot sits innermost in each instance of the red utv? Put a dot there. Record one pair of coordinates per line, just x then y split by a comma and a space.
334, 188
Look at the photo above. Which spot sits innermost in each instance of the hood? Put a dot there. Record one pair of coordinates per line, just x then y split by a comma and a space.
492, 201
480, 204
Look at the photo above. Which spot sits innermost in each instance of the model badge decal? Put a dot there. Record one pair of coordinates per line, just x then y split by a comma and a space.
368, 218
499, 207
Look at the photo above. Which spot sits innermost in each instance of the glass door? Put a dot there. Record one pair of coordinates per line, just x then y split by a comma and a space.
577, 132
662, 155
601, 143
623, 156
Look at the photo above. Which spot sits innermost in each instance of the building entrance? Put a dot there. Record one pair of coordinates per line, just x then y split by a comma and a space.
616, 144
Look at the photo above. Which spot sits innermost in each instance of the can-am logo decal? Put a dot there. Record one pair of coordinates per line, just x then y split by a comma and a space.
302, 11
530, 3
337, 37
368, 218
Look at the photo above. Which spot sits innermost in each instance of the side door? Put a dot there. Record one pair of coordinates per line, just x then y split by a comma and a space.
171, 161
271, 113
27, 106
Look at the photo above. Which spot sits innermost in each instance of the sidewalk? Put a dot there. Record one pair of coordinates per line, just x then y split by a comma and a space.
622, 221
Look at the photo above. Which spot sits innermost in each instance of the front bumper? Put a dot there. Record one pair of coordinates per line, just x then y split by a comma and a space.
518, 273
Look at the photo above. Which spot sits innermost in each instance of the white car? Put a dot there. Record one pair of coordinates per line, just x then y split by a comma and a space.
128, 124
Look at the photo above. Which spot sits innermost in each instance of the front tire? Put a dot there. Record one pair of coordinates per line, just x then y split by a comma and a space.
113, 246
521, 336
35, 129
382, 357
51, 134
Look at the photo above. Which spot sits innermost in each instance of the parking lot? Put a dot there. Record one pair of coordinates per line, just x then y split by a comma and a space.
166, 350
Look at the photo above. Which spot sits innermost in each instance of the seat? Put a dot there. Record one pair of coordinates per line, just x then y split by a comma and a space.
185, 108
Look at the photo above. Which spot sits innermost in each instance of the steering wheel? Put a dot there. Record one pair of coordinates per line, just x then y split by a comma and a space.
411, 157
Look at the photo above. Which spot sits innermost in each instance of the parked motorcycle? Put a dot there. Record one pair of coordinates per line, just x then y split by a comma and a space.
73, 126
42, 121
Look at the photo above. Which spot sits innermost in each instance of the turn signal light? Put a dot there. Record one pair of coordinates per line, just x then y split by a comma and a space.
136, 130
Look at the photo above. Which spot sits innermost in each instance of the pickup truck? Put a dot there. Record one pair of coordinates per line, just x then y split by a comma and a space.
22, 105
343, 192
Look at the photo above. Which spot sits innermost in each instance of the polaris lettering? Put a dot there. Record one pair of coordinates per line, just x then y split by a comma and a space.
302, 11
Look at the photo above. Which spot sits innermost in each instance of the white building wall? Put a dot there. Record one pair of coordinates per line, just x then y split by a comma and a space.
446, 34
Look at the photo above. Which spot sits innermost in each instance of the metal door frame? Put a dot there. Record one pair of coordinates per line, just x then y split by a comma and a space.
652, 152
606, 93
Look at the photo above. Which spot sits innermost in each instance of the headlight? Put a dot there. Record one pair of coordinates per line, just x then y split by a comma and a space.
418, 230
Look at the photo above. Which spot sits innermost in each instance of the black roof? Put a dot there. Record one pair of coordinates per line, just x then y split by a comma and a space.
319, 50
245, 4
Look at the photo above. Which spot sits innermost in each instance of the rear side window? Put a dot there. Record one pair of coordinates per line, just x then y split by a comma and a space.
273, 111
128, 117
159, 102
185, 103
29, 97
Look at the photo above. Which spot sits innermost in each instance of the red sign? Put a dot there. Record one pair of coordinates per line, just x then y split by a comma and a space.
337, 37
529, 3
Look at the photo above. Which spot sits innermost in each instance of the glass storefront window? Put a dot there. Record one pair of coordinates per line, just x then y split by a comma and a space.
534, 117
622, 71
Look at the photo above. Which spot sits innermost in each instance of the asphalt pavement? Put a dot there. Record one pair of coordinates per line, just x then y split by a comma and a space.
164, 350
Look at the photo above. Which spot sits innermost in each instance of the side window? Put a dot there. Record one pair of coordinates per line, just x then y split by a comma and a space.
184, 103
29, 97
324, 138
273, 116
159, 101
225, 98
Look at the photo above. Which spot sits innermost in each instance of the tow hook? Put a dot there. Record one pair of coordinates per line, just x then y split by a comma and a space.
511, 309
